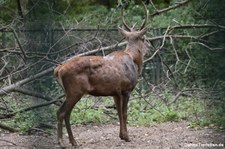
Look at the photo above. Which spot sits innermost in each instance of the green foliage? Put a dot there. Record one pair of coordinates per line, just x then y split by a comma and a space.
171, 115
6, 7
217, 115
97, 15
151, 110
144, 112
196, 111
84, 113
172, 18
24, 121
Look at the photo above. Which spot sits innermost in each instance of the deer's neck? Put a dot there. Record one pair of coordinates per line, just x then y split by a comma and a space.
137, 57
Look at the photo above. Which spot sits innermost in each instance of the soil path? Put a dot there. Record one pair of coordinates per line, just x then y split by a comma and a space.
169, 135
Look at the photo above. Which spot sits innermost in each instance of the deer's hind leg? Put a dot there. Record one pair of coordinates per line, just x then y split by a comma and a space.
69, 106
60, 117
64, 113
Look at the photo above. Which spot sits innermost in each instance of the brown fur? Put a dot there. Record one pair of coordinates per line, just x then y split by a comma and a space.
113, 75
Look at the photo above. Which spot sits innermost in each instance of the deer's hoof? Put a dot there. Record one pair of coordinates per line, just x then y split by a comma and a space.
125, 138
61, 144
74, 143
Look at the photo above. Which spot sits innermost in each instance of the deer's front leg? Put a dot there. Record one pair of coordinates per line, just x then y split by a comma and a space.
121, 108
124, 133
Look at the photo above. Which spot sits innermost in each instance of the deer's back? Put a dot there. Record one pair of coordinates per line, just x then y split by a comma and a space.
101, 76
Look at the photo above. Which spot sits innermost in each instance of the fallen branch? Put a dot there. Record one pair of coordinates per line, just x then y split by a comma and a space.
35, 94
8, 142
180, 93
28, 109
10, 88
6, 90
38, 130
5, 127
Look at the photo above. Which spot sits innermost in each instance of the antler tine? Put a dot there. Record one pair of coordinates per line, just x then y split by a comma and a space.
146, 18
124, 23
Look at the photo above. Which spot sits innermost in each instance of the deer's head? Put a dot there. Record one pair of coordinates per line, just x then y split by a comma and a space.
136, 38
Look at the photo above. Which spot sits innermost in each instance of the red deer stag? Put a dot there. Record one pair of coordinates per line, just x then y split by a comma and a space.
113, 75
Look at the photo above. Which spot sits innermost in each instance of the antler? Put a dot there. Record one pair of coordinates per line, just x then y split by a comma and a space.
144, 22
124, 23
146, 17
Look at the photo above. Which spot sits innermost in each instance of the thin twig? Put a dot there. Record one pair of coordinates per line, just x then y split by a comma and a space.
170, 8
159, 48
20, 45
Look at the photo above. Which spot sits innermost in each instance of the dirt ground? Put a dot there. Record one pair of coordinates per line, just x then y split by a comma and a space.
169, 135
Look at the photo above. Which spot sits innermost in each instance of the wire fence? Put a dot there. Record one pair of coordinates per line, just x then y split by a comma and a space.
61, 44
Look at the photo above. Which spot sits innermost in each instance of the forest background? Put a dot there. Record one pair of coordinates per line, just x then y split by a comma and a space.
183, 76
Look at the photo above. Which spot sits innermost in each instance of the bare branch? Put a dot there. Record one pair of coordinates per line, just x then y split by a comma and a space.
159, 48
182, 93
35, 94
153, 5
20, 45
20, 12
28, 109
10, 88
189, 61
206, 46
170, 8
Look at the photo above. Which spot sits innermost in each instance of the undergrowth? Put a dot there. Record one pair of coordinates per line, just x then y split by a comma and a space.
151, 110
146, 111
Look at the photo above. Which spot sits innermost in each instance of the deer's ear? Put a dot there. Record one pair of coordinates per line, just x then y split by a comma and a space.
142, 32
123, 32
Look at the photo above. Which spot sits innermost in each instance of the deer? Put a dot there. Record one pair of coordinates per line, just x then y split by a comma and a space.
115, 74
